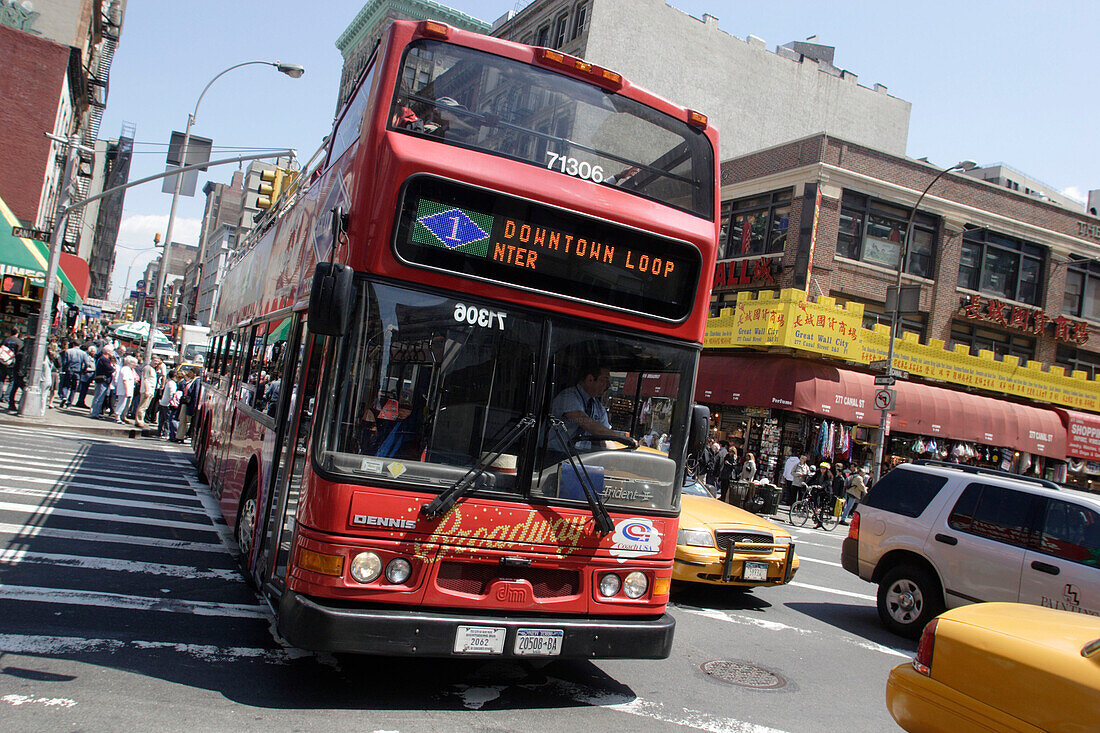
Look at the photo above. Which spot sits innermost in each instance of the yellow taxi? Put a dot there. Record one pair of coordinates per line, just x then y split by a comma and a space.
1001, 666
721, 544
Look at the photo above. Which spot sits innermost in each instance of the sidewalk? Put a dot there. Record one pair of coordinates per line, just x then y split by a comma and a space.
77, 421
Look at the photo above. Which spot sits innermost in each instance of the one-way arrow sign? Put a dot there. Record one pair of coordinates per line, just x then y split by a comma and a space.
885, 380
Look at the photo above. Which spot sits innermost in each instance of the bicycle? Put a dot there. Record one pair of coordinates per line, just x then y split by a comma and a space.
803, 510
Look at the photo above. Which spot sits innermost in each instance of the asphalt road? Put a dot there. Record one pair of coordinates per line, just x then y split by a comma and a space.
121, 609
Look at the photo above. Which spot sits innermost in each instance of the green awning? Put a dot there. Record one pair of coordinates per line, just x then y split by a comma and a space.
29, 257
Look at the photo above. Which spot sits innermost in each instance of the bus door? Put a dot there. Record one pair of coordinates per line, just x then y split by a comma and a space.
291, 453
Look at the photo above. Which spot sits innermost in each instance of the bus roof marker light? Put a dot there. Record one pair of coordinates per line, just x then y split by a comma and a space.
435, 29
697, 119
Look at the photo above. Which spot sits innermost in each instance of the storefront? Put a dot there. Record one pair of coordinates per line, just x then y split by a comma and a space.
827, 412
23, 264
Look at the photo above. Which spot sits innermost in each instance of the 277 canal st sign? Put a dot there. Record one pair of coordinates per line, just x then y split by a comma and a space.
1019, 318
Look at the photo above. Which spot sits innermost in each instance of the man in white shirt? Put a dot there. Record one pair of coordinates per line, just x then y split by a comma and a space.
584, 414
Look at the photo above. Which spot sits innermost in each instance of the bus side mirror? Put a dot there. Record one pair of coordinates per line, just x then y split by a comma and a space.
330, 299
699, 429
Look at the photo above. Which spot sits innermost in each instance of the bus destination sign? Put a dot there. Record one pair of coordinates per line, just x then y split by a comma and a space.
519, 243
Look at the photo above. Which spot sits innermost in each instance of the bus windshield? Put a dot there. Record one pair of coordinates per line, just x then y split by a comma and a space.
500, 106
428, 386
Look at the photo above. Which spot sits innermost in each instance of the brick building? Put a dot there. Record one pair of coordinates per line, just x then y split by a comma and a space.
1009, 295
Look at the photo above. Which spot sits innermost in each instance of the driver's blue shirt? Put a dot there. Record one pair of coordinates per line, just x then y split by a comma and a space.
575, 399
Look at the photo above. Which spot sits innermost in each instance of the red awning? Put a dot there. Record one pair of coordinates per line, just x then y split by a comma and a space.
816, 388
76, 270
1082, 434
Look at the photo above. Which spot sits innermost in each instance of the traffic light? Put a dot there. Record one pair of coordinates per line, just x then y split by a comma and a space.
128, 313
270, 188
168, 301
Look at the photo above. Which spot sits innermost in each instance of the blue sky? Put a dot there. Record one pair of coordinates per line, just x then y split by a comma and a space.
1010, 81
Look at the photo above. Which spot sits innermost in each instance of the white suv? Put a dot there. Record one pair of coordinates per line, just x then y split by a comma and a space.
937, 535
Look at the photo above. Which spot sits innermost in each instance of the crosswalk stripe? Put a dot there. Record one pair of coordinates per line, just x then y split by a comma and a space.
25, 532
90, 475
20, 557
56, 645
42, 511
186, 491
79, 461
102, 599
70, 495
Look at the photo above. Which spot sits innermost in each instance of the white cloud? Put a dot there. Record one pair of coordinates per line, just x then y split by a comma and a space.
1075, 193
138, 230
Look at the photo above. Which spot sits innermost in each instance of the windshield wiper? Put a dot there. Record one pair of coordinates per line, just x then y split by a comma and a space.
603, 520
443, 503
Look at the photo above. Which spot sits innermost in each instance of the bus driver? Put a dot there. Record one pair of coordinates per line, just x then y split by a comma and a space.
584, 414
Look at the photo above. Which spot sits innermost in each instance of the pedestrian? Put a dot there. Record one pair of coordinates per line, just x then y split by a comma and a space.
167, 397
706, 462
84, 380
18, 369
103, 380
748, 468
125, 381
857, 489
788, 477
726, 473
150, 374
53, 355
821, 490
8, 349
189, 404
800, 473
71, 361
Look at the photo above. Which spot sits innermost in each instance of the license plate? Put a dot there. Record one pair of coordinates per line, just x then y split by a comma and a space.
755, 571
538, 642
479, 640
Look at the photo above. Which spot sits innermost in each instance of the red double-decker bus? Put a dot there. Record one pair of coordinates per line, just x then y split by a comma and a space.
448, 399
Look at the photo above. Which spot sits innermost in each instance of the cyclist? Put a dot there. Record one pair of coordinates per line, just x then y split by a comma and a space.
821, 487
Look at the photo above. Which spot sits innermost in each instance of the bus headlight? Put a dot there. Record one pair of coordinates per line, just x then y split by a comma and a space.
366, 567
398, 570
610, 585
636, 584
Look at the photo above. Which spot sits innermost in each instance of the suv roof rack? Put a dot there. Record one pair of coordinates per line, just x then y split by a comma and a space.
978, 470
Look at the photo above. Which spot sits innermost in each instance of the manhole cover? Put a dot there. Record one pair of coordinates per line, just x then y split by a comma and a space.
744, 674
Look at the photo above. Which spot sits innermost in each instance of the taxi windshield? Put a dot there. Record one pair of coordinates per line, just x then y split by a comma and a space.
504, 107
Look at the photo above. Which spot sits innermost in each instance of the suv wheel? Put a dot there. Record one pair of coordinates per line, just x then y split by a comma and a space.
908, 598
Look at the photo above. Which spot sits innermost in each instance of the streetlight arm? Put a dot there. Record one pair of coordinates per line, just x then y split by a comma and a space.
895, 312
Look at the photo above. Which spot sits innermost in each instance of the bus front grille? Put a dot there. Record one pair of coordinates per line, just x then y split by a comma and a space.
475, 579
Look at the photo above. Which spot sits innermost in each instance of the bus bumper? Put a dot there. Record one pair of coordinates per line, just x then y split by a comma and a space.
310, 623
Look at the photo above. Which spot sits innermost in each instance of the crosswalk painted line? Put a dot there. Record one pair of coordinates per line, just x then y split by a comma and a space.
85, 476
58, 645
49, 458
94, 499
26, 532
44, 511
121, 601
21, 557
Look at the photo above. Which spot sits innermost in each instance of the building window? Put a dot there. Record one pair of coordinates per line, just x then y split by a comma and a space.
561, 26
543, 37
1082, 294
1001, 266
580, 19
1078, 360
874, 231
999, 342
756, 225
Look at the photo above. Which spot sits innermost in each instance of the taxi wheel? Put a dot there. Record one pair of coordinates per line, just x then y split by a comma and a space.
908, 598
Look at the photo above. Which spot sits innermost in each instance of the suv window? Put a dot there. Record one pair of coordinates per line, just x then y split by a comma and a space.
994, 512
1070, 532
904, 492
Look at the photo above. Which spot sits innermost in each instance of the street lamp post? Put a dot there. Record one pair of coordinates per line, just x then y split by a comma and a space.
294, 71
880, 447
